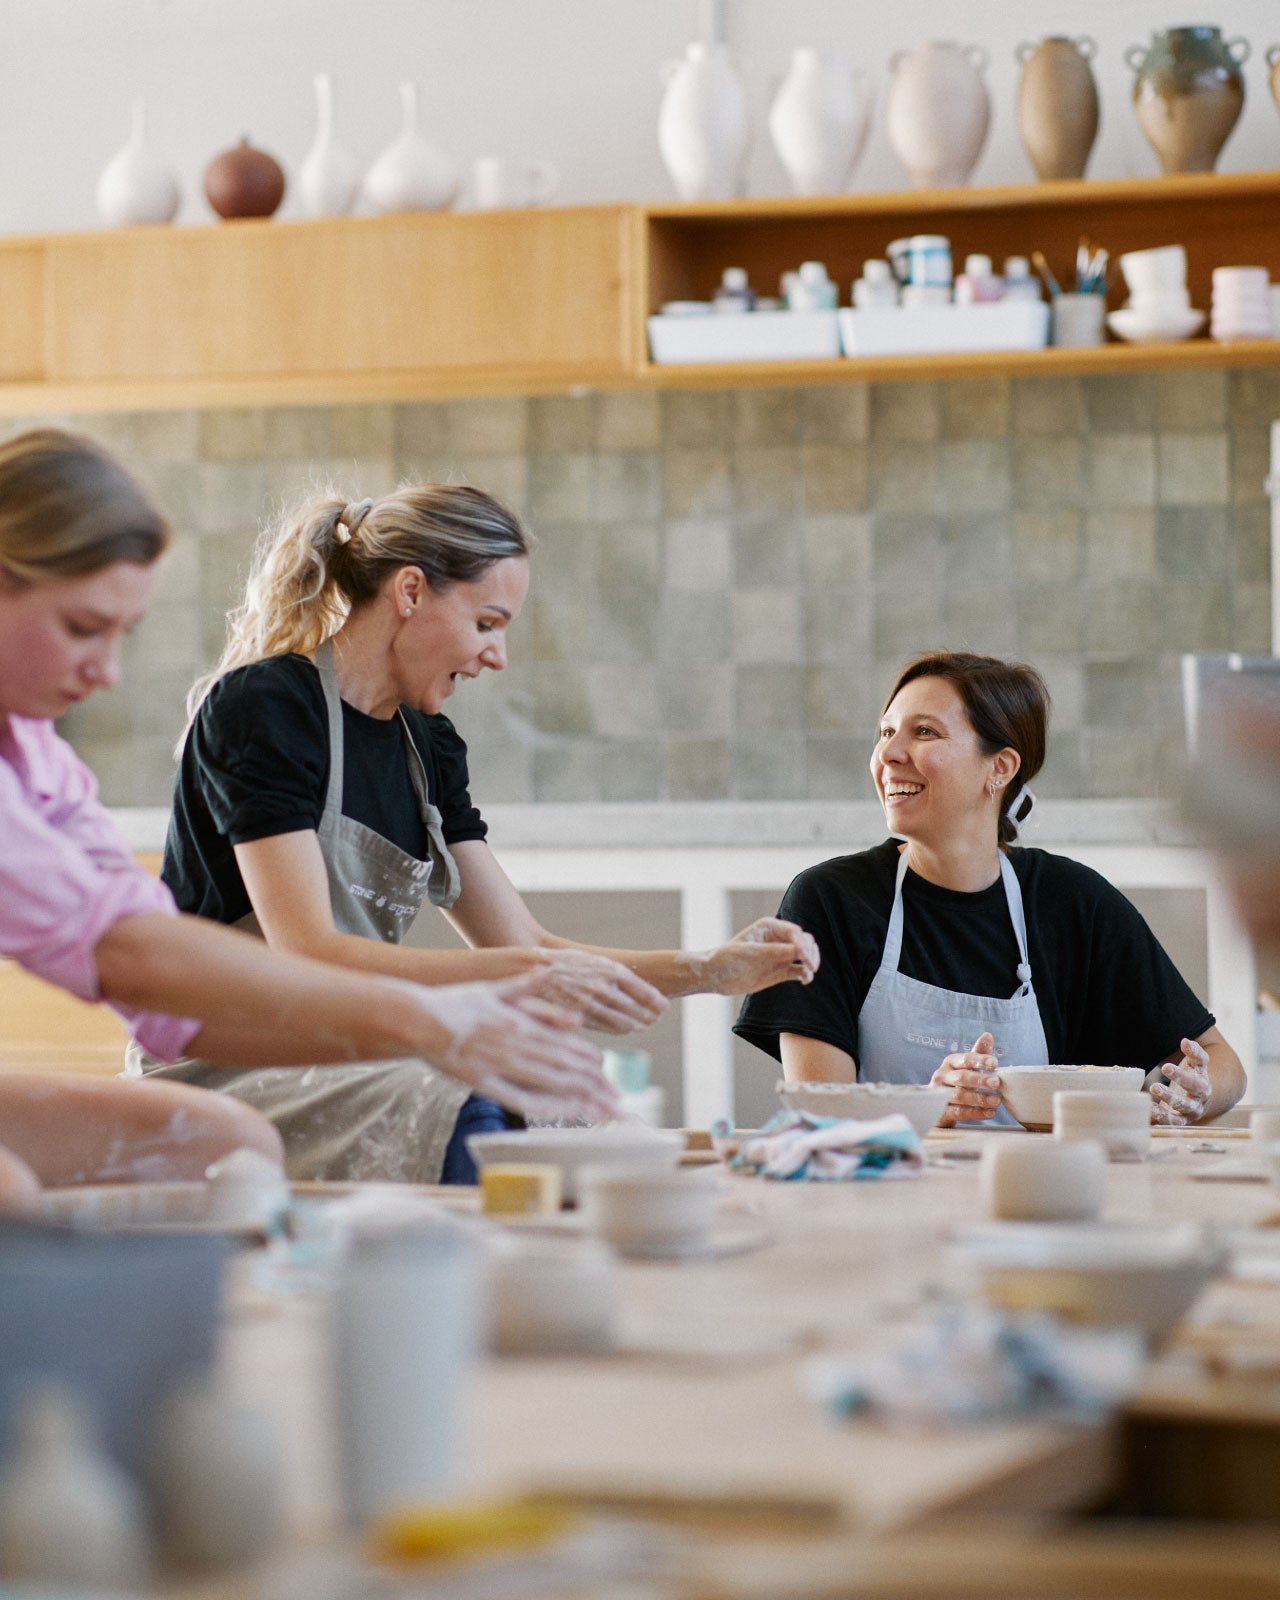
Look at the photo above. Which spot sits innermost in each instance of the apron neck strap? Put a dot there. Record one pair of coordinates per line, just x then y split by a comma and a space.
1017, 916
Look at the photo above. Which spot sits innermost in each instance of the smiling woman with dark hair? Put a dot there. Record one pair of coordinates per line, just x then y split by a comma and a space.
947, 948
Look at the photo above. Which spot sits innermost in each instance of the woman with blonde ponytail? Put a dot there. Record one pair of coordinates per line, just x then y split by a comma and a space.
322, 798
79, 542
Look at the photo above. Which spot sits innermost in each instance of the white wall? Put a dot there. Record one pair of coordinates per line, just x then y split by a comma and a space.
572, 81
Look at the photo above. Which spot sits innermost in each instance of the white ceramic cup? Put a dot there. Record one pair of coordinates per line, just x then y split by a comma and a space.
550, 1296
1122, 1122
501, 183
1034, 1179
648, 1213
1160, 302
1148, 270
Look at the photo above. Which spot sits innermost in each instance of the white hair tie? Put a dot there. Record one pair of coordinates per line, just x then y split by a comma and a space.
1019, 809
352, 516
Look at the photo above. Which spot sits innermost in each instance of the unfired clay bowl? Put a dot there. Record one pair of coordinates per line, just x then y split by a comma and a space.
1028, 1091
922, 1104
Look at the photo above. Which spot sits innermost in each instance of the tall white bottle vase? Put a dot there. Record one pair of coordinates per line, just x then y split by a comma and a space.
329, 177
818, 121
411, 174
702, 124
938, 112
134, 187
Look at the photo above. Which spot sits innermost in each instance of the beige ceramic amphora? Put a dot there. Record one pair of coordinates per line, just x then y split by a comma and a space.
1188, 93
938, 111
1058, 105
1273, 68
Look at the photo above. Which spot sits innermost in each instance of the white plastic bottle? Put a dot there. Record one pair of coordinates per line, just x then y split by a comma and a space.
1018, 282
812, 289
68, 1514
734, 292
977, 284
876, 289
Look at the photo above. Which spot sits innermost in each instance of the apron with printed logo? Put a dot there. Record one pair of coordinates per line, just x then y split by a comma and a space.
385, 1121
906, 1027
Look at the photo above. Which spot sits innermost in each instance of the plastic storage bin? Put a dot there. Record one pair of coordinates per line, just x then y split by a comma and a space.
925, 330
745, 336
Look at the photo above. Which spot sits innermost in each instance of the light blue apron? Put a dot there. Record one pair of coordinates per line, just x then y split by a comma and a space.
906, 1027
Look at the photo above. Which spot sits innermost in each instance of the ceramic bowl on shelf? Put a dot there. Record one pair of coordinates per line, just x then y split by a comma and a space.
922, 1104
1171, 327
616, 1144
1028, 1091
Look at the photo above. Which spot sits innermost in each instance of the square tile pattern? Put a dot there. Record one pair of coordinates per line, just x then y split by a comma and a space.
725, 581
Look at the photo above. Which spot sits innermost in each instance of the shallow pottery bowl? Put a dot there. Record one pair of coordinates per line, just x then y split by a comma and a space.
615, 1144
920, 1103
1136, 1276
1028, 1091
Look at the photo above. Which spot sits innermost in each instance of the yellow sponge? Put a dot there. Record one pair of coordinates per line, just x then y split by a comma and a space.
520, 1189
444, 1533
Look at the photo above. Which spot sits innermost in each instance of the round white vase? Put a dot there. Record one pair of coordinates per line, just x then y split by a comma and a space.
938, 111
329, 178
411, 174
818, 121
702, 124
134, 187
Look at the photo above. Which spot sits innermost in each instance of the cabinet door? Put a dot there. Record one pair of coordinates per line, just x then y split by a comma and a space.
526, 293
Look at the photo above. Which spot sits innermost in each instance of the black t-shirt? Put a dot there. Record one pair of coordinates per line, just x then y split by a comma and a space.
1107, 992
256, 764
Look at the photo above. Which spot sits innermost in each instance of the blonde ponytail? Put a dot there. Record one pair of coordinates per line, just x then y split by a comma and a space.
315, 566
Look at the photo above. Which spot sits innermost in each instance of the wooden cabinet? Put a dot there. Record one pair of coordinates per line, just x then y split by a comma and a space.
427, 305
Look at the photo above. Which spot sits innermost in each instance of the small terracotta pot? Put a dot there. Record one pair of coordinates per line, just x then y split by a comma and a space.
244, 182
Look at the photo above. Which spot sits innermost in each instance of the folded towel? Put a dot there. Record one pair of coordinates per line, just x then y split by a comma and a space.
796, 1144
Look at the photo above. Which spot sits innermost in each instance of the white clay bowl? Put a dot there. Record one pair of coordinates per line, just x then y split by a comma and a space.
1028, 1091
922, 1104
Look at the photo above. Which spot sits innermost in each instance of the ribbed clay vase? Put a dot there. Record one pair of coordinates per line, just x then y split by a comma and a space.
1188, 93
938, 111
702, 124
1058, 106
818, 121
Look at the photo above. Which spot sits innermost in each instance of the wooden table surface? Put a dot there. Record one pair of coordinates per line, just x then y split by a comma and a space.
710, 1403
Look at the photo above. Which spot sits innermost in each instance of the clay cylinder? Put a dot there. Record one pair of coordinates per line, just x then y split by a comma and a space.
1058, 106
244, 182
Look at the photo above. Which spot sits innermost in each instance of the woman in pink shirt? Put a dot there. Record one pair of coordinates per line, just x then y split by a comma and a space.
78, 545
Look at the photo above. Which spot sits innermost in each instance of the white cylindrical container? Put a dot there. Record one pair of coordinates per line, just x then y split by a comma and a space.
1122, 1122
1039, 1180
649, 1213
1077, 320
551, 1296
406, 1334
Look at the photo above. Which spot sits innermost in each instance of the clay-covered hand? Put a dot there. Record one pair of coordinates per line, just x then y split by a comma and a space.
602, 991
505, 1042
769, 951
1184, 1098
974, 1081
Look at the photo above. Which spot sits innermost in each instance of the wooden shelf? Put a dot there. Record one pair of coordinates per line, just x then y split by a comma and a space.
430, 306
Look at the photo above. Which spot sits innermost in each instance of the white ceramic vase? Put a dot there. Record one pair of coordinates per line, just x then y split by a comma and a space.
818, 121
938, 111
702, 124
411, 174
329, 178
134, 186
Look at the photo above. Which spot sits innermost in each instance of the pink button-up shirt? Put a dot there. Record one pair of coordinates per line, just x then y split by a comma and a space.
66, 875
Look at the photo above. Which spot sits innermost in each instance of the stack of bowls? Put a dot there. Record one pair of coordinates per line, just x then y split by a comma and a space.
1241, 303
1159, 302
1120, 1122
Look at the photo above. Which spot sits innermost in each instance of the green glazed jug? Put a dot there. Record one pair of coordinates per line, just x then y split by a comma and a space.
1188, 93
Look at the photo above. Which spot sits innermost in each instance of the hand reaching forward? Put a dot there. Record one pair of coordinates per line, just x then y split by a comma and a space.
1185, 1096
602, 991
769, 951
509, 1044
974, 1082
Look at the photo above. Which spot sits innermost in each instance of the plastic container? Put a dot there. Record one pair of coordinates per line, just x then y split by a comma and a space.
734, 292
812, 289
1018, 282
978, 284
757, 336
876, 288
1004, 325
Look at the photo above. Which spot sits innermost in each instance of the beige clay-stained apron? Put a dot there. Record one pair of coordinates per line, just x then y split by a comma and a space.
385, 1121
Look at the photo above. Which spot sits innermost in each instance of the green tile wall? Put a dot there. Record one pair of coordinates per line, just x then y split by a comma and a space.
725, 581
